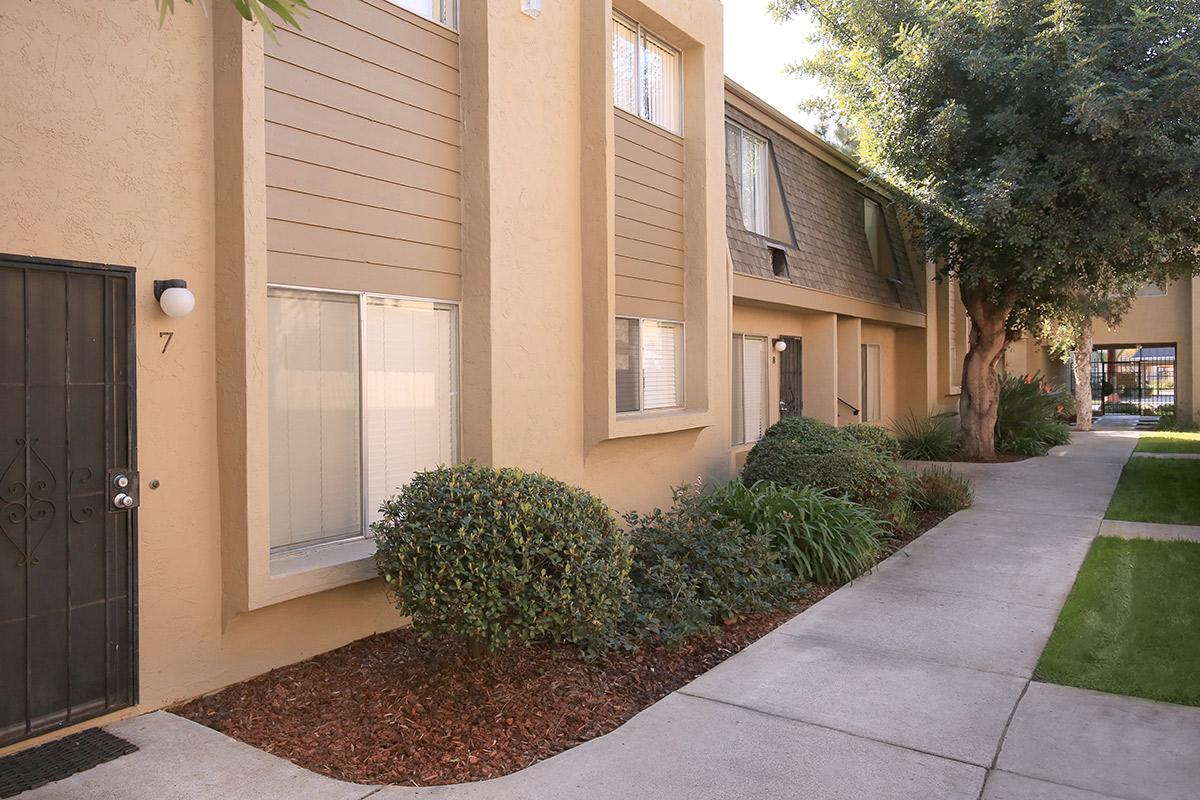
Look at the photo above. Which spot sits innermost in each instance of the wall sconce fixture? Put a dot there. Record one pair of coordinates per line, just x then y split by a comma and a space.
780, 345
531, 8
174, 298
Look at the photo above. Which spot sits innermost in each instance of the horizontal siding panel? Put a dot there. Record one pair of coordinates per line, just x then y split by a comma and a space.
325, 181
299, 82
315, 149
648, 136
283, 204
332, 273
649, 270
632, 248
310, 240
648, 158
355, 71
655, 309
637, 173
644, 232
649, 290
632, 209
371, 45
398, 26
648, 195
305, 115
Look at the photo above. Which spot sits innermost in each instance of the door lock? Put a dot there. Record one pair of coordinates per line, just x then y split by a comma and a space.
124, 489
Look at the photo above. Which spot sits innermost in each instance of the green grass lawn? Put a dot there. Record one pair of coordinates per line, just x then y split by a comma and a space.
1169, 442
1130, 624
1158, 490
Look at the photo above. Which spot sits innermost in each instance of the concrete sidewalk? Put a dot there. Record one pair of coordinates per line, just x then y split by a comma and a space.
913, 683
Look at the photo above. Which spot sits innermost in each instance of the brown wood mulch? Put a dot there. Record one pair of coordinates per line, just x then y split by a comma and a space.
397, 708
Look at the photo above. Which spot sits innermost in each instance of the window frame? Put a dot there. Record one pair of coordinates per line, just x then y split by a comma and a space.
764, 176
639, 85
681, 399
872, 385
363, 297
453, 7
739, 386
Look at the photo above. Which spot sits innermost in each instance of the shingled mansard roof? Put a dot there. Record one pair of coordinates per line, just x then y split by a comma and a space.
825, 205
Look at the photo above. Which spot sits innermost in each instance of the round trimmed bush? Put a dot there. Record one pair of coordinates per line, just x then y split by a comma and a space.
811, 453
500, 555
874, 438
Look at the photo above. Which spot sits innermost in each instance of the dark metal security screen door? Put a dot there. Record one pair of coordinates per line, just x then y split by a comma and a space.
67, 455
791, 379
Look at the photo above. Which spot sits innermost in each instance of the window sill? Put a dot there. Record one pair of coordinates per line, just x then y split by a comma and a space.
314, 569
649, 423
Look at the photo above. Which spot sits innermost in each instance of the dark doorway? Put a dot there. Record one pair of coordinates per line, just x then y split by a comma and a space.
67, 460
791, 378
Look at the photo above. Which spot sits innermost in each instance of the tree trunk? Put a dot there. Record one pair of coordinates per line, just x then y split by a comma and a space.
1081, 362
980, 398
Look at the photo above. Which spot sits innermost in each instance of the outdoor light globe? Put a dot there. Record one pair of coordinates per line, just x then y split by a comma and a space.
780, 345
177, 301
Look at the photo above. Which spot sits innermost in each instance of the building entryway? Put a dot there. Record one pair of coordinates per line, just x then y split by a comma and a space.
68, 494
791, 378
1135, 379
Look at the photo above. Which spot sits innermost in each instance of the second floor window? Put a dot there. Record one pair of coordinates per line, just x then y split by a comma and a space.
748, 159
444, 12
647, 76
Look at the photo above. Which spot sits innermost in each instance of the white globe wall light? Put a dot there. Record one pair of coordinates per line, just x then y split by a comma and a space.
780, 345
174, 298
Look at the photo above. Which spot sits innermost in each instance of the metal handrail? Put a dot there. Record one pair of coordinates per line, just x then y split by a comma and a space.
847, 405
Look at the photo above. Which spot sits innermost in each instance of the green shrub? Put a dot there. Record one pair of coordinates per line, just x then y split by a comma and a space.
929, 438
1026, 421
806, 452
1170, 422
873, 437
819, 537
813, 436
501, 555
939, 489
693, 569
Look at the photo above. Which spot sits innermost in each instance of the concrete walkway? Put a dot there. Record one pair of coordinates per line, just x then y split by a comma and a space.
911, 684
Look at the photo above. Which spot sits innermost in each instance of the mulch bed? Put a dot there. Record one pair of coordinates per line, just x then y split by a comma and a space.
398, 708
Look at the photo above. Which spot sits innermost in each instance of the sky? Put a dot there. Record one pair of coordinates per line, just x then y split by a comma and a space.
758, 50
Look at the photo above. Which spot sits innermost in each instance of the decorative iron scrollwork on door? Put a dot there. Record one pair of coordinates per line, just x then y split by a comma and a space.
26, 490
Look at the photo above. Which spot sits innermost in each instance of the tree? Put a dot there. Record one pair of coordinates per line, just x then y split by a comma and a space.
1042, 144
1065, 327
286, 10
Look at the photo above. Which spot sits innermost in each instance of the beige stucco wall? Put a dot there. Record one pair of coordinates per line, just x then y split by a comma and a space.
137, 188
131, 145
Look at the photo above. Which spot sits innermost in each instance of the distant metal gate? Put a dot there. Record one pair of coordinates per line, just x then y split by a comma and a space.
67, 459
791, 378
1133, 380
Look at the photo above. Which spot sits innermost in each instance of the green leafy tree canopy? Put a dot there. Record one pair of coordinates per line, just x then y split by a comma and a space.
1049, 148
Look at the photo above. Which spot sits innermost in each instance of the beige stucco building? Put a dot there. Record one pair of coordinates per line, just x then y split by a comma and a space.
414, 233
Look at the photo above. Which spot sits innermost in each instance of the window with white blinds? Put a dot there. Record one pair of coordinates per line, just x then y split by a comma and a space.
362, 393
647, 76
313, 425
410, 393
749, 164
749, 388
871, 380
649, 366
441, 11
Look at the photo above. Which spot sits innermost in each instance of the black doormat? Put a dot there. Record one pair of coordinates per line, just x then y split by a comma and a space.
59, 759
